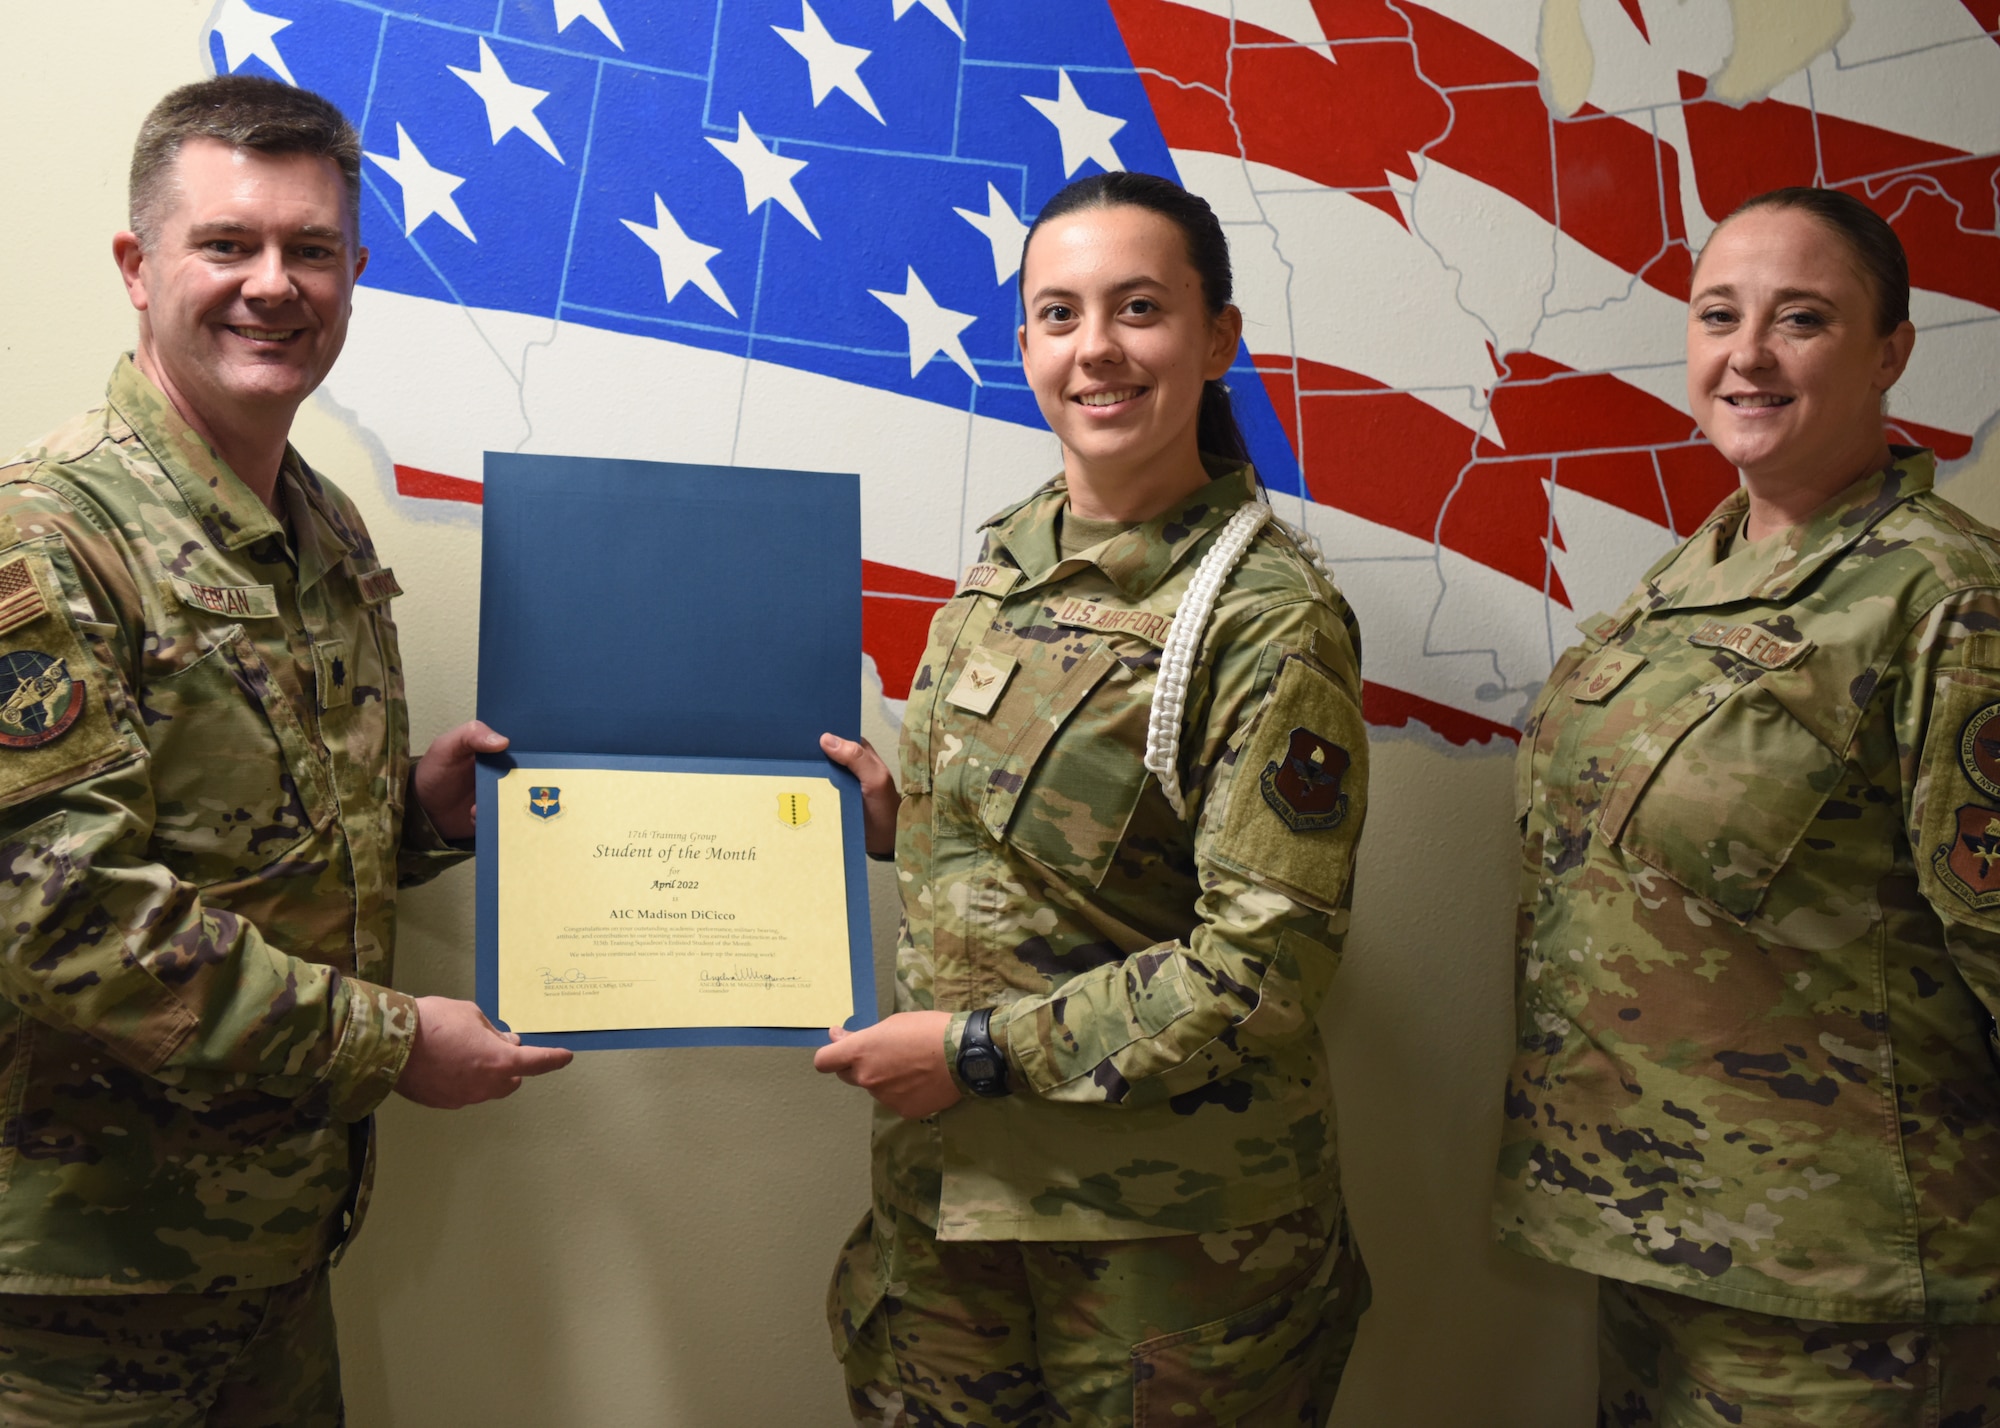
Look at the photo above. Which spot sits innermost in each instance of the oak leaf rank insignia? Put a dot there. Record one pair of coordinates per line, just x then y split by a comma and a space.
1303, 787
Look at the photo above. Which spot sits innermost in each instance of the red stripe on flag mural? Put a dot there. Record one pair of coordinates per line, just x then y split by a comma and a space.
1987, 13
1943, 202
896, 610
1347, 124
436, 486
1638, 17
1388, 708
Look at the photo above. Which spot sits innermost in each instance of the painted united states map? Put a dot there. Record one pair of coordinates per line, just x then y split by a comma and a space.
785, 233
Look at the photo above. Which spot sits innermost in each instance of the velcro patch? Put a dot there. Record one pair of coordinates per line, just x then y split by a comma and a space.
1602, 673
242, 602
1979, 750
988, 579
980, 683
1112, 619
1751, 642
378, 585
331, 673
1303, 785
21, 598
39, 699
1970, 864
1600, 626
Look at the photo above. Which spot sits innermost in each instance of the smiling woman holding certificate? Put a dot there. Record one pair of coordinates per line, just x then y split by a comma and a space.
1133, 771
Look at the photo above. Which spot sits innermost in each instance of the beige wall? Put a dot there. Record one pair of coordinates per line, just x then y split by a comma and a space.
645, 1239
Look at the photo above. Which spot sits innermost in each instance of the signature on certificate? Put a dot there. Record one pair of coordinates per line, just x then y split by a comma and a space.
752, 977
575, 976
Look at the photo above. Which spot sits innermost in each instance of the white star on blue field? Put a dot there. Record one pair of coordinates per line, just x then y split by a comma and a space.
839, 186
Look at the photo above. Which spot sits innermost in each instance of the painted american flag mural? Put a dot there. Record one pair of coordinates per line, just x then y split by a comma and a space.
785, 233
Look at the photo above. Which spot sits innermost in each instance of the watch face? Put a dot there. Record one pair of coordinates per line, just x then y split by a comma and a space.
978, 1068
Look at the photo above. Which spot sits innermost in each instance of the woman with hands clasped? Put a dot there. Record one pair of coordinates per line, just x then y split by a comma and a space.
1754, 1088
1133, 770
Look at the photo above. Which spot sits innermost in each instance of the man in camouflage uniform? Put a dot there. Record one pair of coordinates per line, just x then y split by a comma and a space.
1760, 943
205, 812
1159, 1180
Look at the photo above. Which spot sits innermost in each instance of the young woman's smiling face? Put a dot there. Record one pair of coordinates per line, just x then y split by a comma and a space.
1117, 344
1786, 364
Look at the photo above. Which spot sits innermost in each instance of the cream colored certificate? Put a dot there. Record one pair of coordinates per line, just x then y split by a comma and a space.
644, 899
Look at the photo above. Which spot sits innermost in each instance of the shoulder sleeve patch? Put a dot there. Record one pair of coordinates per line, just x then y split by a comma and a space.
54, 724
1957, 800
1298, 789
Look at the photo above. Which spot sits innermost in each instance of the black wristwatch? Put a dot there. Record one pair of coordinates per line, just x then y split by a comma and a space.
980, 1064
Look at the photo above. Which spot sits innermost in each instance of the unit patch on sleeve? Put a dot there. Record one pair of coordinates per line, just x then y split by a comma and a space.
1979, 749
1303, 786
1970, 864
38, 699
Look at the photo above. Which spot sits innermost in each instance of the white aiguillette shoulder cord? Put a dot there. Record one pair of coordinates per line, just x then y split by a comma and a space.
1163, 724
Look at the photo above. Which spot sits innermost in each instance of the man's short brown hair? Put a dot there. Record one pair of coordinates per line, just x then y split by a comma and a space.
244, 112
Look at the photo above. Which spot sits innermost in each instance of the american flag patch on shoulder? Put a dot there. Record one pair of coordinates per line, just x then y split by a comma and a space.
21, 598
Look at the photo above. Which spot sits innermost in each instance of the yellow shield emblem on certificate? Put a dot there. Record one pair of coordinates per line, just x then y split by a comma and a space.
794, 810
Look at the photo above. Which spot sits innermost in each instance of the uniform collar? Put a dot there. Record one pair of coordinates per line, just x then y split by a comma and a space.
228, 509
1717, 567
1138, 559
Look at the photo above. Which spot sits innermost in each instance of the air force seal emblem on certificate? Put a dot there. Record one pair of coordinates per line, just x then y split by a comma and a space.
545, 801
794, 810
1303, 787
38, 699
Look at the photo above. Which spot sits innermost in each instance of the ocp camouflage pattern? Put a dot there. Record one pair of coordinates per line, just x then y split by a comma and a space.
1157, 979
1759, 946
198, 875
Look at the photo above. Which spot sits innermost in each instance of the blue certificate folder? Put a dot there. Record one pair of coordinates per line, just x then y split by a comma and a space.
688, 619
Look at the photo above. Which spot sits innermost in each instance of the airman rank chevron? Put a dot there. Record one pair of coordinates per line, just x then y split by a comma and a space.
378, 585
1751, 642
245, 602
986, 579
21, 599
1111, 619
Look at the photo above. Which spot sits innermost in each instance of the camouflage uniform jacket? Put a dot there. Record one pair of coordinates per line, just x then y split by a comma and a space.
1760, 922
1156, 978
203, 761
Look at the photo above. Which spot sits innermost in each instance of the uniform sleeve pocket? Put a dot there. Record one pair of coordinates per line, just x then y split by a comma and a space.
1719, 794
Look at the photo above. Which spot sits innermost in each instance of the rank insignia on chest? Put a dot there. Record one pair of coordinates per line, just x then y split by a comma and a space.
545, 801
1303, 788
1979, 749
794, 810
38, 699
1603, 673
1970, 864
981, 681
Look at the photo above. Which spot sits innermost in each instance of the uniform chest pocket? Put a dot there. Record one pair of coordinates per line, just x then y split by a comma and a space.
236, 782
1719, 792
1070, 735
941, 656
1524, 757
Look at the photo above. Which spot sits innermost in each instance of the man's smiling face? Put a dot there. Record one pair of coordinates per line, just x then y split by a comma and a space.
245, 288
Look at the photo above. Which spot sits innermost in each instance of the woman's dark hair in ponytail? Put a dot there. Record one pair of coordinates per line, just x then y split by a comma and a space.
1216, 431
